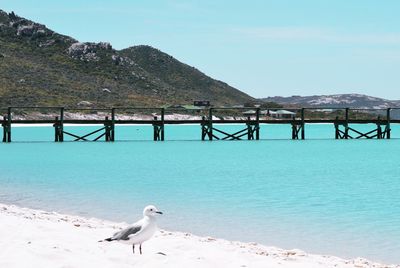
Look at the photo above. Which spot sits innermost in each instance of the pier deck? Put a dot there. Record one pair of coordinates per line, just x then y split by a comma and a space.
209, 121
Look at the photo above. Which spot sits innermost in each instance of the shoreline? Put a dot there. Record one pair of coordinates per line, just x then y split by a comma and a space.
50, 239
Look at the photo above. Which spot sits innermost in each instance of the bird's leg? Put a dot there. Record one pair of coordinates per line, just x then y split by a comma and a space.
133, 248
140, 249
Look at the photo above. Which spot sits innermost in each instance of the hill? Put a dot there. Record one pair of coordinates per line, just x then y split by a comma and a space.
41, 67
339, 100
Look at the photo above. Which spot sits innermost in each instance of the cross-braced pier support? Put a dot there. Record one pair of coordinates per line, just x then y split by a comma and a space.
110, 127
158, 127
109, 130
252, 130
58, 130
206, 129
158, 130
59, 127
298, 130
108, 134
344, 131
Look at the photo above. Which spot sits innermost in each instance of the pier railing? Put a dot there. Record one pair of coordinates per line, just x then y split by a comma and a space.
343, 120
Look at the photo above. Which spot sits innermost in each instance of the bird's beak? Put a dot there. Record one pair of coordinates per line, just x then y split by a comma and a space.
159, 212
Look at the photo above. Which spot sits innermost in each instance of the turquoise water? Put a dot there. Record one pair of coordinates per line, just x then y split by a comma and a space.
326, 196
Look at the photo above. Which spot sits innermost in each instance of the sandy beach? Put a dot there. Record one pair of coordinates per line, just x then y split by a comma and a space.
34, 238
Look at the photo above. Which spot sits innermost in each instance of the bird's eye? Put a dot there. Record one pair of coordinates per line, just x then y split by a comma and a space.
151, 209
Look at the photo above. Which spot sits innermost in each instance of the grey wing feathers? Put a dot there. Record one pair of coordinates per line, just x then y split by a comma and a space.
124, 234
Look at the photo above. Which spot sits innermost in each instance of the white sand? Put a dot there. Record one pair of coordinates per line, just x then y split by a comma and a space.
32, 238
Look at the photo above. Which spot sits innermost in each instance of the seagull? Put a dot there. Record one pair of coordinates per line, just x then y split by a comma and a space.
140, 231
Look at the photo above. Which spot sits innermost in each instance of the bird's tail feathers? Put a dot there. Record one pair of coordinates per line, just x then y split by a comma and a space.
107, 239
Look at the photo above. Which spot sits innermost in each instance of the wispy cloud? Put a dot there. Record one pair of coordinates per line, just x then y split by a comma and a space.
317, 35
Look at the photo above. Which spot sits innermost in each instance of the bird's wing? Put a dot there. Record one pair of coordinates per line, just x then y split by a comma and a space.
125, 233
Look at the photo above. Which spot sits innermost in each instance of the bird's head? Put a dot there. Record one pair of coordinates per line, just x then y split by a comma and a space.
151, 211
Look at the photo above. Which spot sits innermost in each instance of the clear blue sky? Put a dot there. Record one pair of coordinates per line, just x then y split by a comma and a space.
263, 47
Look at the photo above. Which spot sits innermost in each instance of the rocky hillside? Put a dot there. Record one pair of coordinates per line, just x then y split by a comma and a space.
340, 100
41, 67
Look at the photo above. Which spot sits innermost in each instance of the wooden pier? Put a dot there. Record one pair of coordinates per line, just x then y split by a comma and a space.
344, 126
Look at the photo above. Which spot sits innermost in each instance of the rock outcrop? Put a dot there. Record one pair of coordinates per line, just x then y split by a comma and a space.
84, 51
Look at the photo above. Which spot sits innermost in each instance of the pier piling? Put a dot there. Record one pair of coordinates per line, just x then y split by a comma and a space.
206, 129
158, 127
5, 130
6, 124
346, 125
58, 131
253, 129
388, 119
210, 124
107, 129
112, 129
337, 130
303, 133
379, 129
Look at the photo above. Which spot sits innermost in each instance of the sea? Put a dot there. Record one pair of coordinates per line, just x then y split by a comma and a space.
320, 195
